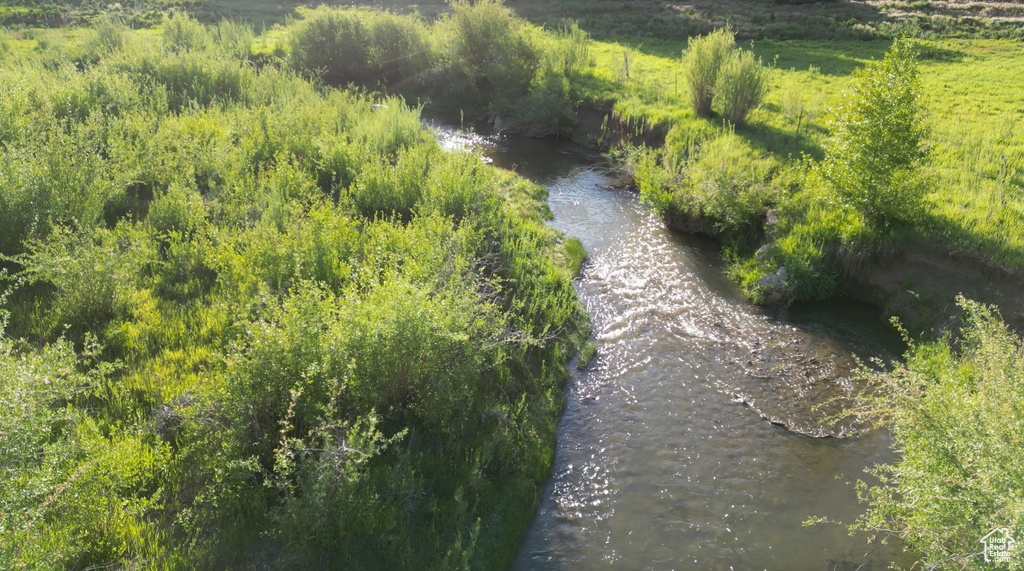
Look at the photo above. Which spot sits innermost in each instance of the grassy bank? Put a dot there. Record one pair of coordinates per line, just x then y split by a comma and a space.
971, 107
252, 322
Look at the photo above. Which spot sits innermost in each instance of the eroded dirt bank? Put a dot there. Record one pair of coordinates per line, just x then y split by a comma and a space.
919, 283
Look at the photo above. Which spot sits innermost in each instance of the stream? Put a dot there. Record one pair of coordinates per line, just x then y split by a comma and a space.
699, 436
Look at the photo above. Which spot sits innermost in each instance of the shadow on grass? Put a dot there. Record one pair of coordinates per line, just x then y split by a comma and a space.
953, 234
254, 13
833, 58
780, 142
676, 20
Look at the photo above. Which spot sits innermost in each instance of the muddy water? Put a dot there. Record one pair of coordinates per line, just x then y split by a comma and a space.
694, 439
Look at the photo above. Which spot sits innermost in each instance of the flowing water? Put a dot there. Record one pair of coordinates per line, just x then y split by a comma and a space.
693, 440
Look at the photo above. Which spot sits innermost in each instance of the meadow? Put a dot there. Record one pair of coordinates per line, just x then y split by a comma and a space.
971, 104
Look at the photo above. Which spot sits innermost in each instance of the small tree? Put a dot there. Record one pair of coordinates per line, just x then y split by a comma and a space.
876, 140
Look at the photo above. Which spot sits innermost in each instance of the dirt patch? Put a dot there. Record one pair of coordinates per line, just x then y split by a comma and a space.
919, 284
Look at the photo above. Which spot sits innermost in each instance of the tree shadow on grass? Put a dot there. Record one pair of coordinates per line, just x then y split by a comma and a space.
833, 58
779, 142
675, 20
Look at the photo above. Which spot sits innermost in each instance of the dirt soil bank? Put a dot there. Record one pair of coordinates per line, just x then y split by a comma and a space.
919, 283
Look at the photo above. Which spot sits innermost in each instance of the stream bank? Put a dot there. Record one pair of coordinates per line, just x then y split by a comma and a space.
684, 443
917, 282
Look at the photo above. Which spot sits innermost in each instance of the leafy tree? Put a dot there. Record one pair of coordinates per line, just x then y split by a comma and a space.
876, 143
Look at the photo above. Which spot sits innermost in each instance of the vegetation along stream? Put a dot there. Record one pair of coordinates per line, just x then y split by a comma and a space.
698, 437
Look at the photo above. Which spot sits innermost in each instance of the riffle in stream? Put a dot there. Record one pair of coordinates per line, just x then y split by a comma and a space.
698, 438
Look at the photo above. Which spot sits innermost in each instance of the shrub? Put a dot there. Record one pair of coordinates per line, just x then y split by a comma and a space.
333, 46
234, 38
399, 50
55, 182
703, 59
494, 60
366, 48
547, 109
89, 277
107, 35
572, 51
182, 33
193, 78
741, 86
956, 412
383, 189
722, 188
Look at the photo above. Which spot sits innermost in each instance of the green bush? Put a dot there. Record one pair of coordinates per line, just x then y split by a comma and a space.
399, 51
547, 109
234, 38
193, 78
955, 412
182, 33
741, 86
333, 46
377, 49
494, 61
572, 52
703, 60
721, 187
383, 189
107, 35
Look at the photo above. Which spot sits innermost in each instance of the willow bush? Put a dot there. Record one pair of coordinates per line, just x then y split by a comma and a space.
721, 186
703, 60
955, 413
722, 75
741, 86
370, 48
480, 57
249, 320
